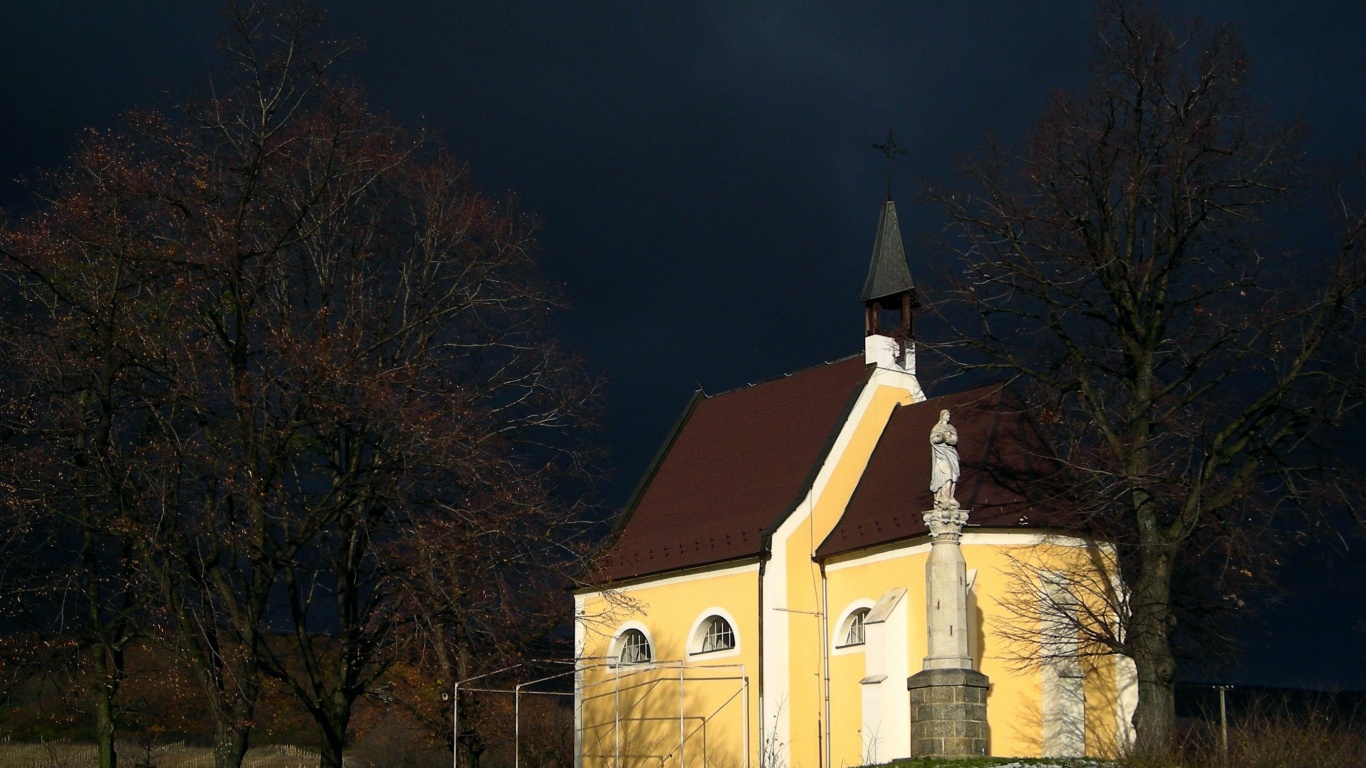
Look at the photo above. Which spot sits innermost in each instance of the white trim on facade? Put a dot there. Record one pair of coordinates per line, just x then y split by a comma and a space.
1126, 700
897, 550
880, 556
774, 715
1063, 694
776, 718
886, 725
900, 379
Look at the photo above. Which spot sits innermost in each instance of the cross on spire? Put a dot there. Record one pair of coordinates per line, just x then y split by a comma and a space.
891, 150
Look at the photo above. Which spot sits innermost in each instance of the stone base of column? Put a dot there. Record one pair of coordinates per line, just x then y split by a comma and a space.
948, 713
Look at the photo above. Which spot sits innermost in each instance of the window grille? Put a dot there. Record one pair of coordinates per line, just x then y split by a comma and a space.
720, 635
635, 648
855, 635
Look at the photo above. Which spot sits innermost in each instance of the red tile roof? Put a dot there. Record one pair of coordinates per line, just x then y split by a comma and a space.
998, 454
735, 466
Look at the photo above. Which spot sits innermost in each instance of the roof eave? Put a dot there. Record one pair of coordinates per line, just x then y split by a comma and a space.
641, 578
766, 538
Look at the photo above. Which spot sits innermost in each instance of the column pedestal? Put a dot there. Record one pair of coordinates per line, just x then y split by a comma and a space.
948, 713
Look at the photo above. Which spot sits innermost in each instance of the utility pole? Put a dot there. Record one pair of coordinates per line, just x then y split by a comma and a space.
1223, 721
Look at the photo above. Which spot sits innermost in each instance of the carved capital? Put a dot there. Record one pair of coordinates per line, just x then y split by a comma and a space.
946, 521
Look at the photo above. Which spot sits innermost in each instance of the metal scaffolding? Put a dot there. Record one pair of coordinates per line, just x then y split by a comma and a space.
650, 677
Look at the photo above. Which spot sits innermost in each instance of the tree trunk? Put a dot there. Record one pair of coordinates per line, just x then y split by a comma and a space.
471, 744
1150, 632
105, 690
332, 754
332, 728
229, 746
473, 748
106, 654
1155, 715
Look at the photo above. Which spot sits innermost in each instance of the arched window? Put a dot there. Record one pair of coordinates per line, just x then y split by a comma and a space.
635, 647
718, 635
714, 634
852, 632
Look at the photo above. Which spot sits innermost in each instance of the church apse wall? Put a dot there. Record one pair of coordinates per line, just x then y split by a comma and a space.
1016, 700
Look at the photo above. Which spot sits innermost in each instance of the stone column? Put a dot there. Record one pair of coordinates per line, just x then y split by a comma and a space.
948, 698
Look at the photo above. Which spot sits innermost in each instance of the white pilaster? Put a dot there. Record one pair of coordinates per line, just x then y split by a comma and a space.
886, 707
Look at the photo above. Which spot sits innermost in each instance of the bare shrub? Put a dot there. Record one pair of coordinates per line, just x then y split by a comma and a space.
1271, 734
1318, 738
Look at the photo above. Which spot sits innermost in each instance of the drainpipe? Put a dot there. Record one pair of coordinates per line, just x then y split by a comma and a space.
825, 657
763, 563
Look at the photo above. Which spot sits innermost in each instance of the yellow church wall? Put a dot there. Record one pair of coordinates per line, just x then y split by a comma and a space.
1102, 709
633, 711
1014, 714
846, 746
806, 629
847, 584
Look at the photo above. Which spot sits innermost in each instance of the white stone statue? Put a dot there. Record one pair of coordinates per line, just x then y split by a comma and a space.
944, 462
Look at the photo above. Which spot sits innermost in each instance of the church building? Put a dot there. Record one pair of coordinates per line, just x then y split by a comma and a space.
826, 569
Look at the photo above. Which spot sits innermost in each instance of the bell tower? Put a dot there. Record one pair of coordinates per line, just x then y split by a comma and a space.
889, 298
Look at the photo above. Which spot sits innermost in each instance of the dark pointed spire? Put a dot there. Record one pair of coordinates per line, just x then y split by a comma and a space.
888, 274
888, 290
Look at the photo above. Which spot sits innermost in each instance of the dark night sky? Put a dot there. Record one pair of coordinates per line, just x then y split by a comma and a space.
691, 162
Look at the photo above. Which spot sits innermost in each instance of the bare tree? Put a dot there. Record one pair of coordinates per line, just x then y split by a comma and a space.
81, 333
348, 423
1184, 377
